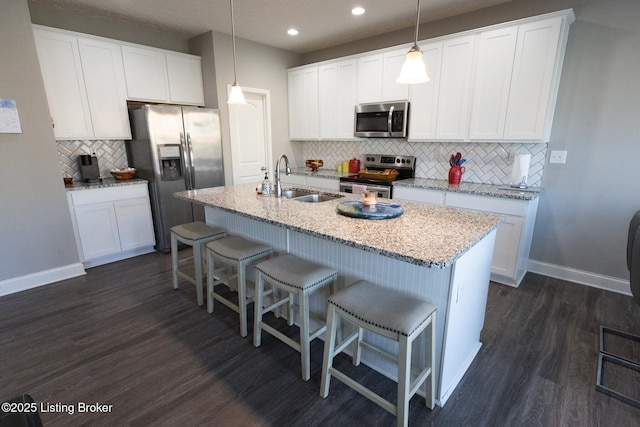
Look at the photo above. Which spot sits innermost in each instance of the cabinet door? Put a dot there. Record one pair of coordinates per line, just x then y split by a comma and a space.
135, 226
536, 74
64, 84
392, 63
325, 183
432, 197
337, 99
185, 79
146, 74
424, 96
505, 253
455, 88
98, 230
106, 88
303, 103
370, 78
491, 84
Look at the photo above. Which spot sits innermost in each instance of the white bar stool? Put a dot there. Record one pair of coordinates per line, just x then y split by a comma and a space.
295, 276
239, 254
197, 235
389, 314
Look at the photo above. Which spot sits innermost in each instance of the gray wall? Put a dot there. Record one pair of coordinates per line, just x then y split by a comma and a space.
584, 212
35, 230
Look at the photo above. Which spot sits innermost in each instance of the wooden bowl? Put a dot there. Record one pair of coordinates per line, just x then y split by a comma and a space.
67, 179
123, 174
314, 164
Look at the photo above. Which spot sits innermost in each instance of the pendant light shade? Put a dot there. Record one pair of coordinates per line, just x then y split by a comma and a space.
235, 95
413, 70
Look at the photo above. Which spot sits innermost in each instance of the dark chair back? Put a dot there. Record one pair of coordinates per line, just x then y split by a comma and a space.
633, 255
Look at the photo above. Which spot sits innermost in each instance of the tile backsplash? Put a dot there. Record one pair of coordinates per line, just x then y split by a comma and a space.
111, 154
487, 163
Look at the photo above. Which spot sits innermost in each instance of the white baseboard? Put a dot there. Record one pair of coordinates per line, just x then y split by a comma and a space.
580, 276
40, 278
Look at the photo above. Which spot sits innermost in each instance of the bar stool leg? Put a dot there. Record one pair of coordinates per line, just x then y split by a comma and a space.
303, 302
210, 280
242, 299
257, 309
329, 348
197, 255
429, 358
174, 260
404, 380
357, 350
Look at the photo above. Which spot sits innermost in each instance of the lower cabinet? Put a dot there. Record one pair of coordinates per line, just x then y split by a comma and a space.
331, 184
111, 223
513, 237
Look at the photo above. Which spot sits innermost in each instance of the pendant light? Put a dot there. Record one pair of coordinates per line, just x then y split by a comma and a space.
413, 70
235, 96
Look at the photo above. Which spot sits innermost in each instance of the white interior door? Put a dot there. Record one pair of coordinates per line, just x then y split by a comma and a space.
250, 130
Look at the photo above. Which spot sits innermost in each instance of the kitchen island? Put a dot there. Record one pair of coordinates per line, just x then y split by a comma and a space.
439, 254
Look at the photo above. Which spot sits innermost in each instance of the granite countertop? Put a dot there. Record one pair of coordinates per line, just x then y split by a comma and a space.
425, 235
106, 182
439, 184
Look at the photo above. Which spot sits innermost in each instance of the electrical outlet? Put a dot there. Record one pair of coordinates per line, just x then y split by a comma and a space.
559, 157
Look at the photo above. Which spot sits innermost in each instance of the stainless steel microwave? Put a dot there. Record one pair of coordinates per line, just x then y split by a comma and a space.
382, 119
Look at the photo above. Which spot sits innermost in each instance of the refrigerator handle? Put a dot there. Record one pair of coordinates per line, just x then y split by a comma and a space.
192, 166
186, 163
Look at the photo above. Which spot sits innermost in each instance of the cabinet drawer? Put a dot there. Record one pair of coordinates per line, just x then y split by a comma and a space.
432, 197
327, 183
100, 195
488, 204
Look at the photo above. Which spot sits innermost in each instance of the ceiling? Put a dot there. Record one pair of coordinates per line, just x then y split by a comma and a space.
321, 23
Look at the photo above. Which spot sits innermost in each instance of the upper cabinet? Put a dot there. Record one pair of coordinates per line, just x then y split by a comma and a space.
89, 79
303, 103
494, 84
337, 99
155, 75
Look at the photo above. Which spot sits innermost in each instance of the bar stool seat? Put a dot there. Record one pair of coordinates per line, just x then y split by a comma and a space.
239, 254
389, 314
294, 276
197, 235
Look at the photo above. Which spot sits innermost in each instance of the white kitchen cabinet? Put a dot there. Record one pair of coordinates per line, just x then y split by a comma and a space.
424, 96
392, 64
303, 103
337, 97
63, 78
184, 73
513, 237
330, 184
370, 78
494, 65
111, 223
455, 88
537, 66
106, 88
146, 73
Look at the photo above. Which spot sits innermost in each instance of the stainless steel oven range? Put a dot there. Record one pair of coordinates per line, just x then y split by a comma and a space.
405, 165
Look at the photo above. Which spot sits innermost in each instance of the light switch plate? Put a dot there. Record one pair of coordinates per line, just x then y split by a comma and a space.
559, 157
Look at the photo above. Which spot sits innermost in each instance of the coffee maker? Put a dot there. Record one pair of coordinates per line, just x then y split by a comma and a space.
89, 170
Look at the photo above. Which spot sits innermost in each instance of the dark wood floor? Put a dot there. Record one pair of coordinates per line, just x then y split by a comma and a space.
122, 336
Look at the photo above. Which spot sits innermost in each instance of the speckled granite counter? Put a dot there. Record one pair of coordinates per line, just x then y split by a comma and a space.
451, 232
397, 253
106, 182
470, 188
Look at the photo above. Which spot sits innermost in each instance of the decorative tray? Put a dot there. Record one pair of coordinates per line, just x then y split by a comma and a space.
378, 175
355, 209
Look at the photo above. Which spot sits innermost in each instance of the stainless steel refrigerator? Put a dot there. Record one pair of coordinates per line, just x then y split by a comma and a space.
175, 149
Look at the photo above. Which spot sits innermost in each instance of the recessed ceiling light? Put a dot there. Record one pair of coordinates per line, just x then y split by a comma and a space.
292, 32
357, 10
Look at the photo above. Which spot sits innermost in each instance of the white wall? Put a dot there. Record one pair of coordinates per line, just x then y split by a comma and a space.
36, 235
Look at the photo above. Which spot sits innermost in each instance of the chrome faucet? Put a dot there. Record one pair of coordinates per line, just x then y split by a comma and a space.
277, 176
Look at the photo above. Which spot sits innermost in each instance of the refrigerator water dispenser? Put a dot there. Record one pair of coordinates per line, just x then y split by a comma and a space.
170, 162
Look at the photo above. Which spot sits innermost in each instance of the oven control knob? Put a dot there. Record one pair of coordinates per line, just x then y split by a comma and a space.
408, 161
403, 161
397, 160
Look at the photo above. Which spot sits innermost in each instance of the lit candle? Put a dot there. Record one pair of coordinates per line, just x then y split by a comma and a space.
370, 198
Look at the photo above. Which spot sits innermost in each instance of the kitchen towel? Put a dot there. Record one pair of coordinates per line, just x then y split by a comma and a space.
520, 172
358, 189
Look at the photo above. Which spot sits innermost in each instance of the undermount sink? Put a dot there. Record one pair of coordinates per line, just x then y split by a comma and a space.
308, 196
